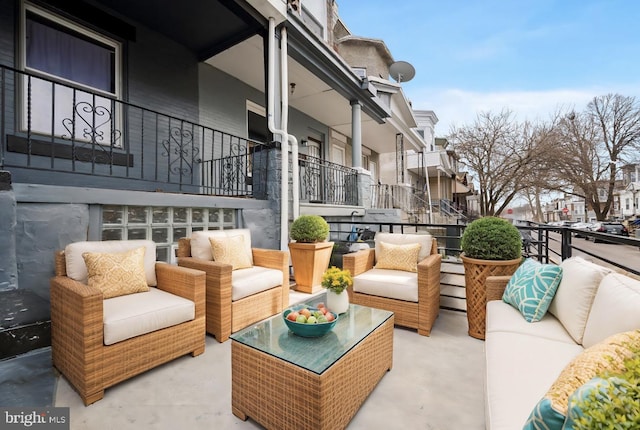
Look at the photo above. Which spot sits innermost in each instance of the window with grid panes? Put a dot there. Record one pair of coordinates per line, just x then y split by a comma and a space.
164, 225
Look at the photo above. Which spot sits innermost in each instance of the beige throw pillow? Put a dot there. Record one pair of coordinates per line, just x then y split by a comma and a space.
117, 274
230, 250
398, 257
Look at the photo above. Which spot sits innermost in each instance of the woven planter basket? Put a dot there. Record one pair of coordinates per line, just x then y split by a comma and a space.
475, 274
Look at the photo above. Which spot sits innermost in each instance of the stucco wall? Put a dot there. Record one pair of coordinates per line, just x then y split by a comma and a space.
8, 267
42, 229
47, 218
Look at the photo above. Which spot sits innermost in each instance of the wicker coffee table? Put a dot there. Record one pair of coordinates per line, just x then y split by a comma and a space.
282, 381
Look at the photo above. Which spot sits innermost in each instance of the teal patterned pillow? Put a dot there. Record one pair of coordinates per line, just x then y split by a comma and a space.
532, 287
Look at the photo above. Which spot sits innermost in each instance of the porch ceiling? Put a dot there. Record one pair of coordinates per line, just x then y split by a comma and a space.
205, 27
312, 96
230, 37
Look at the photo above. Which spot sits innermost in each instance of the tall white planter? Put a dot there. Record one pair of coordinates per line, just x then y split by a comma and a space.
338, 303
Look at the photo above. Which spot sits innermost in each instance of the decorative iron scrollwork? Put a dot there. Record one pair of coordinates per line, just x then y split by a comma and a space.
181, 151
92, 123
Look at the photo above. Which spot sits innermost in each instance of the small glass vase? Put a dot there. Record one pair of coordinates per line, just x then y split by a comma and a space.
338, 303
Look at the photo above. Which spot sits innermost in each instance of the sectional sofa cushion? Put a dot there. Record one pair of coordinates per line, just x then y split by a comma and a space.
532, 287
616, 308
574, 297
504, 317
520, 368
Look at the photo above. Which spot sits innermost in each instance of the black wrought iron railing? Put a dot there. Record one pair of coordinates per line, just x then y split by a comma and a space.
47, 126
547, 244
327, 183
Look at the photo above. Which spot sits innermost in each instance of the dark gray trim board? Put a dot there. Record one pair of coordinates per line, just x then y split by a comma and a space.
35, 193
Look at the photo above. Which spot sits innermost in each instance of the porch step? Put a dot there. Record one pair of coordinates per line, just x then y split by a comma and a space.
25, 323
452, 286
450, 266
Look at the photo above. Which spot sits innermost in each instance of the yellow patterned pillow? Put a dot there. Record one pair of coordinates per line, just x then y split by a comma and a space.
607, 356
398, 257
117, 274
230, 250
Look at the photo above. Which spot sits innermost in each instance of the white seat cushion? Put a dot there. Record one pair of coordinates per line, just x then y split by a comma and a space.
393, 284
77, 269
136, 314
503, 317
615, 309
246, 282
519, 371
201, 246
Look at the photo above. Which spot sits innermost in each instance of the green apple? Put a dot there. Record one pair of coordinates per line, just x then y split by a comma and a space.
312, 320
301, 319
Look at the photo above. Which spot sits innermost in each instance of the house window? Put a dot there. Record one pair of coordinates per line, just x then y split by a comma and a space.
627, 203
164, 225
80, 75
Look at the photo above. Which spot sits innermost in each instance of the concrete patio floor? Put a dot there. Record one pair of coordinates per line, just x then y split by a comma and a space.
436, 383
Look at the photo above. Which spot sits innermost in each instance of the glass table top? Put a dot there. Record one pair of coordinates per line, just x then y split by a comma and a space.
317, 354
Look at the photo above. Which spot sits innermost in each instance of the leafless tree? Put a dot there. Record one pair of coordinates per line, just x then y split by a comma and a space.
591, 145
502, 153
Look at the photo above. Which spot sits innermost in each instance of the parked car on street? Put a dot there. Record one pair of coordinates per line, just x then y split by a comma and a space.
586, 226
616, 228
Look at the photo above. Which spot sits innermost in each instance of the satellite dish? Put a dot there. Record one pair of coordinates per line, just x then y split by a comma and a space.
401, 71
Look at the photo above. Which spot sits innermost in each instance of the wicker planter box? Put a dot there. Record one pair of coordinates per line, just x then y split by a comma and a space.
475, 274
309, 260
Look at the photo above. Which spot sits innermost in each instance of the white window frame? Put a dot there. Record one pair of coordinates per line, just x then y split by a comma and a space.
26, 6
90, 34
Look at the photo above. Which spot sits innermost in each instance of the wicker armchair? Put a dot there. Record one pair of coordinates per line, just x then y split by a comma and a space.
269, 277
419, 314
78, 344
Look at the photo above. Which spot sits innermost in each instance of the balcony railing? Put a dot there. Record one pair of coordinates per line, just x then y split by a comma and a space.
327, 183
51, 126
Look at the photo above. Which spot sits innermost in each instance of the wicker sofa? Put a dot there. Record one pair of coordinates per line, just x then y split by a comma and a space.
95, 344
414, 297
524, 359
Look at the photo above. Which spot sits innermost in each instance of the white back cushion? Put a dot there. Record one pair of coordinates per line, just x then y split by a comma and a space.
615, 309
574, 297
402, 239
201, 246
77, 269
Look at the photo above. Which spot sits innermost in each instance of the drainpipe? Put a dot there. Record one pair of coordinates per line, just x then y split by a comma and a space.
284, 185
284, 94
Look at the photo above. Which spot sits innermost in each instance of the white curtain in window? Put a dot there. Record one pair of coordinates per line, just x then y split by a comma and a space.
68, 56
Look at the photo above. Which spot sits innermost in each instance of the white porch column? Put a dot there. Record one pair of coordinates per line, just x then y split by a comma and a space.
356, 134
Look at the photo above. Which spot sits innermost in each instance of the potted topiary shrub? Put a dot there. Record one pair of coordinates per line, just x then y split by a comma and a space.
311, 252
491, 246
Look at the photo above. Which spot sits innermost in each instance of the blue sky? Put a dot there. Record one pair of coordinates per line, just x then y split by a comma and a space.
530, 56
